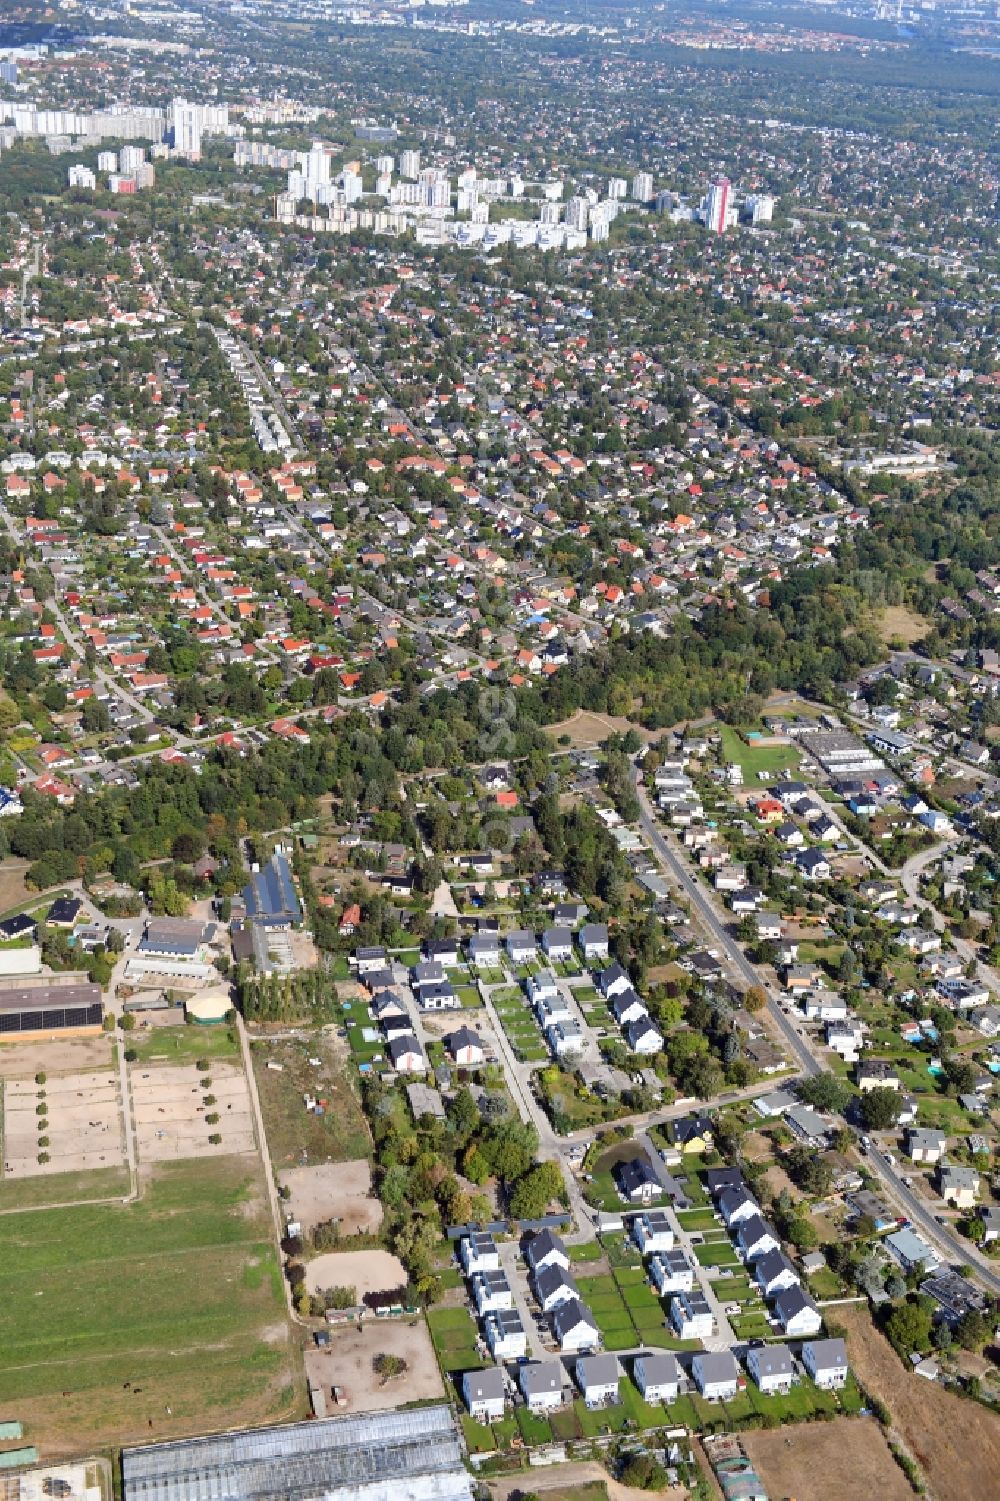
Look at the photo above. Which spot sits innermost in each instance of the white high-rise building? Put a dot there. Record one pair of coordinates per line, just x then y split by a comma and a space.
550, 213
132, 157
385, 164
186, 121
409, 164
617, 187
577, 210
107, 161
759, 208
81, 177
353, 186
717, 206
642, 187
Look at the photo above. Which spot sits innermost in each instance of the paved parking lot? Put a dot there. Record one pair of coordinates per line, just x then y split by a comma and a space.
171, 1107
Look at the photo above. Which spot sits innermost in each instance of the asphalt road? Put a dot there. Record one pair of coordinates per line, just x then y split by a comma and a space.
947, 1245
716, 930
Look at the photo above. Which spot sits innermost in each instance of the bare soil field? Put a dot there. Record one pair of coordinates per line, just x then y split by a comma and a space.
899, 622
936, 1426
333, 1191
347, 1363
80, 1130
365, 1271
845, 1460
170, 1106
20, 1060
584, 1480
586, 730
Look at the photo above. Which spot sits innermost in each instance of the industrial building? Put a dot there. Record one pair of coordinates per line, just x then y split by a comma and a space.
380, 1456
270, 896
49, 1010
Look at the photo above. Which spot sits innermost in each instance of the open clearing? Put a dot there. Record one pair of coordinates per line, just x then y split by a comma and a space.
842, 1460
125, 1323
80, 1126
13, 891
366, 1271
936, 1426
899, 622
585, 730
333, 1191
171, 1106
297, 1136
348, 1364
20, 1060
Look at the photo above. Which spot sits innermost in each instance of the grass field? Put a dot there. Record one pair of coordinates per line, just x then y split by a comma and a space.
294, 1134
122, 1323
754, 759
63, 1188
183, 1044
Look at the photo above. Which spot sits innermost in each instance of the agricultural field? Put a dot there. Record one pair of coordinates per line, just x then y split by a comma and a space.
297, 1136
808, 1462
126, 1322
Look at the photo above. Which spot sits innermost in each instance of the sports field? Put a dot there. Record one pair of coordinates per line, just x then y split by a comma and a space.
121, 1323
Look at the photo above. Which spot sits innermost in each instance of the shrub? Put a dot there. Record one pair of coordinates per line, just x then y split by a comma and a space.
43, 1141
212, 1120
215, 1138
40, 1078
202, 1065
43, 1157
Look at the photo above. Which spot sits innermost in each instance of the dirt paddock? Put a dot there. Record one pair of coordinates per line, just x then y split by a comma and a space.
956, 1443
169, 1109
82, 1130
20, 1060
333, 1191
366, 1271
843, 1460
348, 1364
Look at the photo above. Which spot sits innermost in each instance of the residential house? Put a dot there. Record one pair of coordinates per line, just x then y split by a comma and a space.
464, 1047
652, 1231
478, 1253
716, 1374
671, 1272
597, 1376
491, 1291
658, 1377
774, 1274
546, 1249
557, 944
797, 1313
593, 941
826, 1362
521, 947
637, 1182
641, 1036
925, 1145
574, 1327
691, 1315
958, 1185
772, 1367
541, 1383
554, 1285
505, 1335
755, 1238
484, 1394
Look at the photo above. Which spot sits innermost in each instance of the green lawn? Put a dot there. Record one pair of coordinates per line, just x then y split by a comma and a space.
754, 759
173, 1292
453, 1333
183, 1044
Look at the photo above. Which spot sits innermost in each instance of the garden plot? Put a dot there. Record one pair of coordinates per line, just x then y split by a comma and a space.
72, 1121
178, 1110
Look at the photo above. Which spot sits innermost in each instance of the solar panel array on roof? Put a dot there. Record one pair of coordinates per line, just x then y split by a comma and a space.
399, 1456
270, 897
